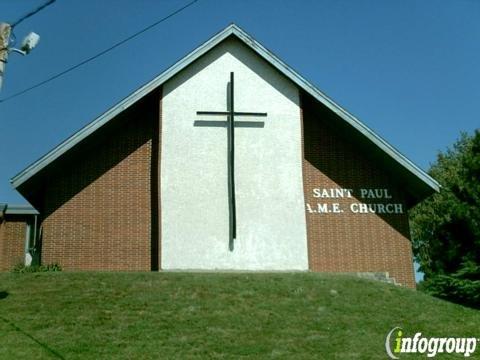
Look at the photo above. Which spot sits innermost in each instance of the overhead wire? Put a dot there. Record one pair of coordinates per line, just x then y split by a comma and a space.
103, 52
31, 13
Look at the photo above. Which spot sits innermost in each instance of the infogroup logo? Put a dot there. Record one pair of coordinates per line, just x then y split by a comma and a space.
396, 343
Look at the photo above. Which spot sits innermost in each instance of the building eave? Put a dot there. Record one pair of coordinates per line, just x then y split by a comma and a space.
13, 209
232, 29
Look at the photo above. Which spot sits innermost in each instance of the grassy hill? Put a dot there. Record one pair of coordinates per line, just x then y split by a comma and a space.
205, 315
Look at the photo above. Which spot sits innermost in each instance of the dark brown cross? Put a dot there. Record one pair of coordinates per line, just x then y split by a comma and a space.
231, 124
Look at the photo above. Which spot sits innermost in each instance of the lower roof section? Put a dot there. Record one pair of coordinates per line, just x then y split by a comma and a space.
15, 209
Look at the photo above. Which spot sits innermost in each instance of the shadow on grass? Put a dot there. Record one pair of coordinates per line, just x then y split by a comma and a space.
3, 294
44, 346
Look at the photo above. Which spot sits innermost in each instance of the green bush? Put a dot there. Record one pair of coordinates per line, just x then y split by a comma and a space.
24, 269
462, 287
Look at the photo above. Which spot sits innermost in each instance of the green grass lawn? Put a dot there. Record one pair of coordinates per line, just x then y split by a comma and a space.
206, 315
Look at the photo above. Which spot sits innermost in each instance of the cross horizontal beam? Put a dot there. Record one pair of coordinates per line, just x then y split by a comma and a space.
242, 124
229, 113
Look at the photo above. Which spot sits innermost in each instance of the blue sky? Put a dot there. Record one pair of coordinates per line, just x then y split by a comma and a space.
408, 69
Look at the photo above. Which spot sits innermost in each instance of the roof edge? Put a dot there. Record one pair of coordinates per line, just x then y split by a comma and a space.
337, 109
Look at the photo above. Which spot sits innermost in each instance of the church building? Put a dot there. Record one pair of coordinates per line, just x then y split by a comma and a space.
228, 160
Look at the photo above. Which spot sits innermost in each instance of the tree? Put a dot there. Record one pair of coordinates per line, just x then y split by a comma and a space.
446, 226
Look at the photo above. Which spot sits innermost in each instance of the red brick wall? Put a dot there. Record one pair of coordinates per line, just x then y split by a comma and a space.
101, 203
97, 204
12, 242
349, 242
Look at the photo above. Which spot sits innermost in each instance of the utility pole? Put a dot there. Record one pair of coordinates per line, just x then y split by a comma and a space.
28, 43
5, 30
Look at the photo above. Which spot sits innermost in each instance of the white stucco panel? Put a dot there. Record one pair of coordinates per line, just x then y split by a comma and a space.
271, 230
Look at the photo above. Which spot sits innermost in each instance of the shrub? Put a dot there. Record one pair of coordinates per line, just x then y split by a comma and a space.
23, 269
462, 287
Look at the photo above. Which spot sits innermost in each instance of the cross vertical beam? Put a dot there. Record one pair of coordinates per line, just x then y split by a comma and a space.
231, 167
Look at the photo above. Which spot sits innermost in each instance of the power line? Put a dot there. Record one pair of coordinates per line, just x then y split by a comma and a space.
53, 77
33, 12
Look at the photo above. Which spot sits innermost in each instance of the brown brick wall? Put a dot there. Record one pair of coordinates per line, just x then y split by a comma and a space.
12, 241
97, 204
349, 242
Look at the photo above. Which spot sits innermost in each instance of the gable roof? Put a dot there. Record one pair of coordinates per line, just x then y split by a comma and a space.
232, 29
